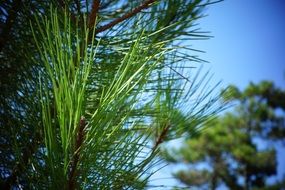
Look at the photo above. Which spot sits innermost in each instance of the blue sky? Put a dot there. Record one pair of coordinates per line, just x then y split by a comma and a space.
248, 43
248, 46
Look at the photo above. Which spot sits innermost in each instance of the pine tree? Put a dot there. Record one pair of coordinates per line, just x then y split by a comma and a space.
86, 86
230, 149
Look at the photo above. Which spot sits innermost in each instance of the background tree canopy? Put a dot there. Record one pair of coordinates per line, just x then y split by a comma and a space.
238, 148
85, 86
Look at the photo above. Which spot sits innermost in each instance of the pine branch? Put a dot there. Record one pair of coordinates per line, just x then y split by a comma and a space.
75, 159
93, 14
161, 137
126, 16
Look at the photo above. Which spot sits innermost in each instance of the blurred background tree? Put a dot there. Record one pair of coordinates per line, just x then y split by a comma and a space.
238, 149
85, 85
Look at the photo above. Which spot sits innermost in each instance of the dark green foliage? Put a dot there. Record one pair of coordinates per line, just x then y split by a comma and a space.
229, 145
119, 67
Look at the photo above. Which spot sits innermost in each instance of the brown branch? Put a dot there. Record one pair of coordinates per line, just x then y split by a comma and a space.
130, 14
161, 137
93, 14
76, 156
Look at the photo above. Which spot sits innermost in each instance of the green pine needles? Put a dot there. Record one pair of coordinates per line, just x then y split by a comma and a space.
62, 92
109, 97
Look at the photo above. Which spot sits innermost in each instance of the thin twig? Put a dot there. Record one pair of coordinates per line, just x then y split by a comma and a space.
93, 14
161, 137
76, 156
145, 5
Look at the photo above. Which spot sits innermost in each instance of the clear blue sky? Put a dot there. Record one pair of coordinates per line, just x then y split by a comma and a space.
248, 43
248, 46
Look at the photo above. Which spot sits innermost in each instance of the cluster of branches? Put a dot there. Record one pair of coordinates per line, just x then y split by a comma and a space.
87, 84
239, 151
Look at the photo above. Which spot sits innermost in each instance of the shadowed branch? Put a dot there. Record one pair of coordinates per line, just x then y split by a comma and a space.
130, 14
75, 159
